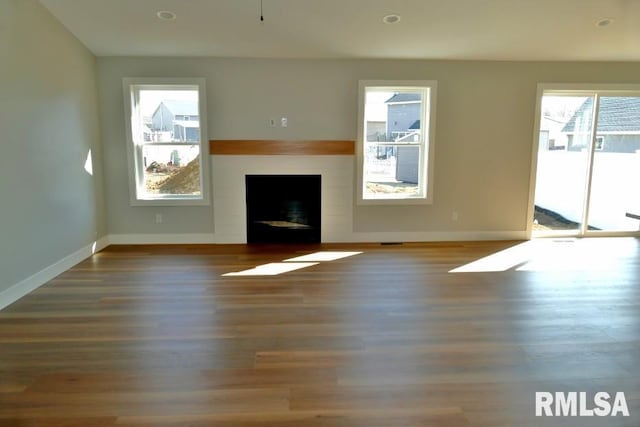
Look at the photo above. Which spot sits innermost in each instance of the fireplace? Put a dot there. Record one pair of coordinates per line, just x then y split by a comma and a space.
283, 208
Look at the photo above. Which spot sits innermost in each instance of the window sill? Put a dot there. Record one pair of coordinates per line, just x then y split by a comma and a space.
170, 202
394, 202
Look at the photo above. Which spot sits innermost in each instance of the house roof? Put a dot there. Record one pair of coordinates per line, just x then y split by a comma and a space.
415, 125
181, 107
617, 114
404, 97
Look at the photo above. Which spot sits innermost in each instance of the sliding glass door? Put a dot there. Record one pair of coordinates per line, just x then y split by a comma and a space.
615, 180
587, 166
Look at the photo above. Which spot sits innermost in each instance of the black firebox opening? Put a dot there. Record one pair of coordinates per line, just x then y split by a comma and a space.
283, 208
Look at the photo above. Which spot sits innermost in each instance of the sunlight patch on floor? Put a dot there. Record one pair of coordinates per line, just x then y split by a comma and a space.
292, 264
322, 256
272, 269
501, 261
569, 254
584, 255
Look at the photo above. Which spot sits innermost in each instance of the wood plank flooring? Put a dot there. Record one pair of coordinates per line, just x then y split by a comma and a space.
157, 336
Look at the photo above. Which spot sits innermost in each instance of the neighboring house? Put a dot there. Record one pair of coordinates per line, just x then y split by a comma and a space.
552, 136
147, 122
147, 133
403, 115
376, 130
618, 127
179, 118
403, 125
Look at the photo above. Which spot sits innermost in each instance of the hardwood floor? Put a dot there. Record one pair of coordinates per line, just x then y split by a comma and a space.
157, 336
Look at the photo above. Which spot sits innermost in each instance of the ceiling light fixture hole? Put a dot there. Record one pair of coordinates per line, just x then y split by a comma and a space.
391, 19
166, 15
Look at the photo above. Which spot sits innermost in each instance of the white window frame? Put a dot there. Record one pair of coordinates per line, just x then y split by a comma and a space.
131, 89
427, 143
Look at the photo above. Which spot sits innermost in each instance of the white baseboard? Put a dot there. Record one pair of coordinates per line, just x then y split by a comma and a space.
38, 279
426, 236
355, 237
161, 239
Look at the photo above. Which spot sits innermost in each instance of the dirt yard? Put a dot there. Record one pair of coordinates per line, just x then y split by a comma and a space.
175, 180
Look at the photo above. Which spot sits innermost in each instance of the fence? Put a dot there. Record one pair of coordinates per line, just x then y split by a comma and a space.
615, 190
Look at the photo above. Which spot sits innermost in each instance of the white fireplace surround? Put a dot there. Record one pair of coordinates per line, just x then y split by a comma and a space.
229, 191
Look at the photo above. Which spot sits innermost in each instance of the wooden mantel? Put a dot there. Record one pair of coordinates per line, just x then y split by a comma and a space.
252, 147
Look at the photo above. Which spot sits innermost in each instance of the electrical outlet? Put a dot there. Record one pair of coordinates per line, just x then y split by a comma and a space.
454, 216
158, 218
272, 122
284, 122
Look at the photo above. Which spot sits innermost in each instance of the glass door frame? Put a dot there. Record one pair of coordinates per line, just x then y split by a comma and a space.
572, 89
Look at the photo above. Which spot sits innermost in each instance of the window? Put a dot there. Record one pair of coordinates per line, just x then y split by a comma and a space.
166, 137
599, 143
395, 142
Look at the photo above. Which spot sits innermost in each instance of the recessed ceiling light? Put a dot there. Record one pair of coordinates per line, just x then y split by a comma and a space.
391, 19
604, 22
166, 15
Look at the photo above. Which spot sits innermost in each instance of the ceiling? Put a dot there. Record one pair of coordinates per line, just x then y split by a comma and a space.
433, 29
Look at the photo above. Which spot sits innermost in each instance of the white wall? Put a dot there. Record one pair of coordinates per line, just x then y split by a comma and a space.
50, 206
485, 116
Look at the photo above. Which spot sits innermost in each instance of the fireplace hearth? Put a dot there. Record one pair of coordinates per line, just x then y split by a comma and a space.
283, 208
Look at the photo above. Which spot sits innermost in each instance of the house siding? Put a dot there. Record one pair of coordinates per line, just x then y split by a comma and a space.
163, 119
611, 143
402, 116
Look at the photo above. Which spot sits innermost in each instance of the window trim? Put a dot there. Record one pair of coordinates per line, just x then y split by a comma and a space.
131, 86
426, 174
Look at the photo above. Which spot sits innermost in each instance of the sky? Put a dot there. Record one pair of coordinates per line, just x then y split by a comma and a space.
376, 110
150, 99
